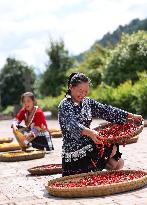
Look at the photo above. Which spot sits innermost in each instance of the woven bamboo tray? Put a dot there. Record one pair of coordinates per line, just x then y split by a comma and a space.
21, 155
131, 140
5, 147
56, 134
145, 123
6, 140
51, 130
99, 190
46, 169
120, 139
20, 137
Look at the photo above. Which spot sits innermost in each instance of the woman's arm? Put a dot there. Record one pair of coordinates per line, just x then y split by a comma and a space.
113, 114
93, 134
107, 112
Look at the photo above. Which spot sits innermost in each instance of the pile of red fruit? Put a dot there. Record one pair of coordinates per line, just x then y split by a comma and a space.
49, 166
104, 179
113, 133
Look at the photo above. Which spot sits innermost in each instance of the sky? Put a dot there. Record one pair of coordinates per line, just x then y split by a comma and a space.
26, 26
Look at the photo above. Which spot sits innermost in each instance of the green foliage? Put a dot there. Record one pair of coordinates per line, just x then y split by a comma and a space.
128, 96
140, 93
103, 93
50, 103
92, 66
128, 58
15, 78
55, 76
8, 110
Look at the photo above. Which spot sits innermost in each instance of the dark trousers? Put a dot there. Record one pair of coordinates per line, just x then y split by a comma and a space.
91, 162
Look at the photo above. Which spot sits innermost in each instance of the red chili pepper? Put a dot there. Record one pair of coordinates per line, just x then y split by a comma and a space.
50, 166
104, 179
117, 131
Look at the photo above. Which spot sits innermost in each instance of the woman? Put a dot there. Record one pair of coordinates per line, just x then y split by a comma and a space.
37, 130
79, 152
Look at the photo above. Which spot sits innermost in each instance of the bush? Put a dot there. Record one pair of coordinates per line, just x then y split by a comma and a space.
50, 104
127, 96
92, 65
16, 77
8, 110
140, 93
127, 59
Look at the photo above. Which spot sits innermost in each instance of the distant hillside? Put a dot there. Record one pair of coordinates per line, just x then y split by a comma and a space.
111, 39
114, 38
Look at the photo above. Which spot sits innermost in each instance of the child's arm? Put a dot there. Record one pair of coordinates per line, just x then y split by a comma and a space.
18, 119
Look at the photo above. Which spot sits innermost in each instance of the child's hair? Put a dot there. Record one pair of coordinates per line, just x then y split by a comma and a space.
76, 78
30, 95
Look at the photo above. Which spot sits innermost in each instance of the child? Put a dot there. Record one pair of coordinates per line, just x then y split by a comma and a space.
35, 122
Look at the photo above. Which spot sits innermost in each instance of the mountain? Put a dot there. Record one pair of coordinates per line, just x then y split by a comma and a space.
111, 39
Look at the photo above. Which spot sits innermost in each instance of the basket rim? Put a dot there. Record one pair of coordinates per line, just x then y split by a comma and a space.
1, 138
5, 158
120, 138
99, 190
46, 172
43, 165
19, 151
9, 144
93, 188
7, 147
6, 140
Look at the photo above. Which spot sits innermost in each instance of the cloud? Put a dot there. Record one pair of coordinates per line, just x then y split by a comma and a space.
27, 25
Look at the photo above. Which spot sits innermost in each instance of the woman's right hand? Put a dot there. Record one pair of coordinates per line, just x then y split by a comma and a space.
96, 139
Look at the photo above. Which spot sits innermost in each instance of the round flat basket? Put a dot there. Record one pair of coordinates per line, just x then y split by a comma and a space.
116, 133
6, 140
56, 134
97, 183
131, 140
21, 155
51, 130
145, 123
48, 169
19, 134
5, 147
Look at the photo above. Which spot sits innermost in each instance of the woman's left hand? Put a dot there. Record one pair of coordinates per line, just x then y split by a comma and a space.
136, 119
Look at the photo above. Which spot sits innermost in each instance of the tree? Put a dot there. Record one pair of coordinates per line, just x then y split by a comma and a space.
15, 78
92, 64
54, 78
127, 59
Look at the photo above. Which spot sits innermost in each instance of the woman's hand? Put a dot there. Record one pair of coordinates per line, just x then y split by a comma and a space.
136, 119
96, 139
93, 134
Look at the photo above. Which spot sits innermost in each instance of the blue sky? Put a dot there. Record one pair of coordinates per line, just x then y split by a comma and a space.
27, 25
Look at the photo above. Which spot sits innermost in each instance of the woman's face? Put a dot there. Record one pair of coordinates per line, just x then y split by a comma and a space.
79, 91
28, 103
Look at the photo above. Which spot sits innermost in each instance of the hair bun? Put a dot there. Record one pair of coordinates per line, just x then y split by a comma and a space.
70, 77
